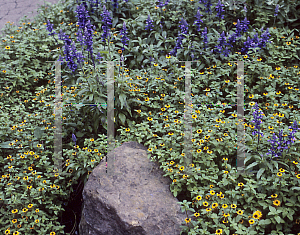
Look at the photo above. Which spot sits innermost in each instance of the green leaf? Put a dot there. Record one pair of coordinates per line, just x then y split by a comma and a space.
115, 21
140, 58
251, 165
96, 122
82, 91
91, 97
168, 24
249, 199
38, 132
122, 118
79, 134
159, 43
272, 211
71, 124
276, 165
270, 166
290, 217
21, 79
140, 41
5, 145
175, 193
260, 172
185, 52
156, 36
278, 219
267, 221
122, 98
191, 209
295, 188
298, 154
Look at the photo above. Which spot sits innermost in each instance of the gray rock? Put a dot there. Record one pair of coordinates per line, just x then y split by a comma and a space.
136, 200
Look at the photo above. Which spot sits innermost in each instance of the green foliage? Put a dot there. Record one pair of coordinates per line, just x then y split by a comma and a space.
149, 109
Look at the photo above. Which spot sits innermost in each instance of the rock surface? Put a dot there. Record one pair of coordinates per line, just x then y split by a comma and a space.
135, 200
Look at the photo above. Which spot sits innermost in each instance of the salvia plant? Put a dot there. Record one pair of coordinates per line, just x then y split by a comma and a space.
146, 40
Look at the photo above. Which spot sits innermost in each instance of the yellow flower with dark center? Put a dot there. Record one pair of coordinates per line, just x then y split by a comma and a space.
251, 221
276, 202
240, 212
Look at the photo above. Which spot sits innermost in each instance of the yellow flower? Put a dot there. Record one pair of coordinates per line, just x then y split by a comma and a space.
251, 221
276, 202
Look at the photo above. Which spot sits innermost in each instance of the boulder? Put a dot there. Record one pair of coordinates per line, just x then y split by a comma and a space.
136, 200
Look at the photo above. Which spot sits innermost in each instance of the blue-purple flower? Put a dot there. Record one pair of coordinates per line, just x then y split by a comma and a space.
82, 16
74, 138
239, 29
281, 143
222, 41
273, 143
87, 29
99, 57
244, 25
231, 39
184, 30
204, 35
255, 40
115, 4
183, 26
88, 35
264, 38
226, 52
197, 22
79, 56
149, 24
161, 3
247, 45
294, 130
219, 10
80, 38
124, 37
67, 51
208, 5
50, 28
106, 20
257, 115
276, 10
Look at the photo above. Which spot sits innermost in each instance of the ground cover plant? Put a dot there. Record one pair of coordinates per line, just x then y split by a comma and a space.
149, 38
